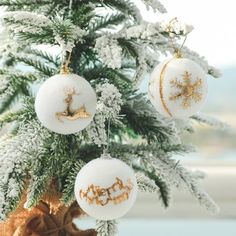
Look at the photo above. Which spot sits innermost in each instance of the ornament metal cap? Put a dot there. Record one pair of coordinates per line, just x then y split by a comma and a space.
178, 53
64, 69
106, 155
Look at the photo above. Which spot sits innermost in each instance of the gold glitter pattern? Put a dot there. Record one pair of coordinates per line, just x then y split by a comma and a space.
188, 90
69, 113
117, 193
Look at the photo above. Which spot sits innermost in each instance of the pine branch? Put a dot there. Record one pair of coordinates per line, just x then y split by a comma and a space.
53, 160
106, 22
164, 190
36, 188
154, 184
124, 6
11, 190
35, 63
130, 48
25, 24
48, 58
65, 30
28, 112
174, 174
47, 164
23, 3
106, 228
211, 121
13, 84
82, 14
9, 117
8, 99
15, 153
43, 37
39, 153
88, 152
140, 116
155, 5
68, 196
116, 77
179, 149
145, 184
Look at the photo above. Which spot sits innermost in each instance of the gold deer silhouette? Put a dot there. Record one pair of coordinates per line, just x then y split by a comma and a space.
69, 113
102, 196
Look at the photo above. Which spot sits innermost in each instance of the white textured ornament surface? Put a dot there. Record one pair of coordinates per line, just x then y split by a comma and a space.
178, 88
106, 189
65, 103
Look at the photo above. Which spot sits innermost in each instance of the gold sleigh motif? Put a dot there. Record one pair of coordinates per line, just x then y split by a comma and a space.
69, 113
117, 193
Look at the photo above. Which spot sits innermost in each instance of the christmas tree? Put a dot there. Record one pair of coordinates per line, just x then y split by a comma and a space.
111, 46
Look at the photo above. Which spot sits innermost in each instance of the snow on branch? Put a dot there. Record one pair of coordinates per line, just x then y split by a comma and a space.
110, 100
26, 24
108, 107
205, 119
175, 27
127, 7
68, 196
145, 184
109, 51
15, 154
155, 38
66, 33
10, 82
23, 21
106, 228
145, 30
23, 3
155, 5
176, 175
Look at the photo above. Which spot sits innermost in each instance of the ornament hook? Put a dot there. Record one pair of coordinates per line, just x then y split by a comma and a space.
65, 66
177, 50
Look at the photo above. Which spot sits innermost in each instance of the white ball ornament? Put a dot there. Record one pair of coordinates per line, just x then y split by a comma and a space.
65, 103
106, 188
178, 88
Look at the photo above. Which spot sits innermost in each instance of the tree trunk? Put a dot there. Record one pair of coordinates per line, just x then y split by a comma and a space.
44, 220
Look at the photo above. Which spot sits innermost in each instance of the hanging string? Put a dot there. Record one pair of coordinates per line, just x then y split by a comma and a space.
180, 48
108, 133
169, 30
107, 145
70, 7
177, 50
65, 65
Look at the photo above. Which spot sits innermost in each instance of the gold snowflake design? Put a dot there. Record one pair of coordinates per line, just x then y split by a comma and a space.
188, 91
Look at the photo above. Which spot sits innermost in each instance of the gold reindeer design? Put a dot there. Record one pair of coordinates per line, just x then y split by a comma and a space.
117, 193
69, 113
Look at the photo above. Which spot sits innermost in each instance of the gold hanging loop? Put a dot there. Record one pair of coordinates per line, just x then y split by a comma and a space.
177, 51
65, 66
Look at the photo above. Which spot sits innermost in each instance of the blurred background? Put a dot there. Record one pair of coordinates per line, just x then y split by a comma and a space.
214, 36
